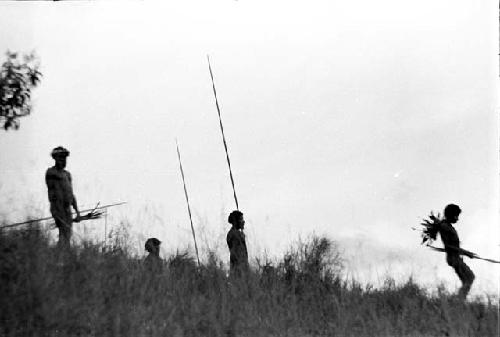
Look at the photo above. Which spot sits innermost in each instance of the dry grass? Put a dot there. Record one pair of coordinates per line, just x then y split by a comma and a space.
90, 292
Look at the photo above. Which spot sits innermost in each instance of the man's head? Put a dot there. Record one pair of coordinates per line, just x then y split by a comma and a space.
153, 246
60, 154
236, 219
451, 213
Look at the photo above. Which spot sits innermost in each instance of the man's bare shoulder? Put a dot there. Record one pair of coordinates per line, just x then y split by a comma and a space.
51, 172
233, 233
54, 173
448, 233
445, 226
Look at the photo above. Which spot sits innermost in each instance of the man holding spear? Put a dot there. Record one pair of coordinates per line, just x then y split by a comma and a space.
61, 197
238, 254
451, 243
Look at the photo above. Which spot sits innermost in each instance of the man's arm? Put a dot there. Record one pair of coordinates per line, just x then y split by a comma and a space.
467, 253
460, 251
229, 240
73, 202
75, 207
50, 182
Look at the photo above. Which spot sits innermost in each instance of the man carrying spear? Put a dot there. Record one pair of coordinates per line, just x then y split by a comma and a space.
238, 254
451, 243
61, 197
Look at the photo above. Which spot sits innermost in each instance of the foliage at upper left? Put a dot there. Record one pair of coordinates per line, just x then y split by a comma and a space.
18, 76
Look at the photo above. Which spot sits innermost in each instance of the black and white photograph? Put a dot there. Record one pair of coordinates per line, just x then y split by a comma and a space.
249, 168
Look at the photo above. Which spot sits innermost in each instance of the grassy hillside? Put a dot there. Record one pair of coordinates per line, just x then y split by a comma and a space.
94, 292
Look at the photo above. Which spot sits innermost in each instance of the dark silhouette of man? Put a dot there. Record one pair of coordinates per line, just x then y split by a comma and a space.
153, 261
238, 255
451, 243
61, 197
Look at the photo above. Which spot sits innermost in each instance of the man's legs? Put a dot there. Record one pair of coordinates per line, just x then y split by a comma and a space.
64, 236
64, 223
466, 276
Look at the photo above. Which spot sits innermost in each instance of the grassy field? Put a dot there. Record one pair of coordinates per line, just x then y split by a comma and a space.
95, 292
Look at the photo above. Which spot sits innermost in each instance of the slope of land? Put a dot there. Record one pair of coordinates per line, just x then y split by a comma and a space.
91, 291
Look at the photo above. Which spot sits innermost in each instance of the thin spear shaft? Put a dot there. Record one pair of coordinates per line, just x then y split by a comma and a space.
187, 201
222, 131
105, 227
50, 217
475, 256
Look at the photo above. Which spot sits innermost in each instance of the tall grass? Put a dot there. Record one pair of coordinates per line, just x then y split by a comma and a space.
89, 291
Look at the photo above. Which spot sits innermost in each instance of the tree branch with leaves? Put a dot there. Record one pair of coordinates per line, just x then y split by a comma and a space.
18, 76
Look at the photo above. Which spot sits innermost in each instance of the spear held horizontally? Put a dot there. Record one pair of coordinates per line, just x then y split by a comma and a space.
475, 256
91, 215
187, 201
429, 233
222, 131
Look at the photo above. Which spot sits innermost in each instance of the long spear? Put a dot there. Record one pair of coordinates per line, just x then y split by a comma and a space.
438, 249
187, 201
222, 131
50, 217
474, 257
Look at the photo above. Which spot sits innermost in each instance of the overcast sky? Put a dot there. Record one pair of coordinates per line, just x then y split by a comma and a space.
352, 119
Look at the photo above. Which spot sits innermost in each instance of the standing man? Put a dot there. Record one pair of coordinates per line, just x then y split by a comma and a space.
451, 243
61, 197
238, 255
153, 261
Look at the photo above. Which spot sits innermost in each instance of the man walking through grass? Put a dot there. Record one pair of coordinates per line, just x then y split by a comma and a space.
61, 197
451, 243
238, 255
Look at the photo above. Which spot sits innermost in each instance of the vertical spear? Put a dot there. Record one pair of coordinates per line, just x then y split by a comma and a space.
222, 131
187, 201
105, 227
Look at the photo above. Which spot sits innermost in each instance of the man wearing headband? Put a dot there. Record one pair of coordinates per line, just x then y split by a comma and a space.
61, 197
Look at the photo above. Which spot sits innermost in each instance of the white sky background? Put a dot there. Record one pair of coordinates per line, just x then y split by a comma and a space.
351, 119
